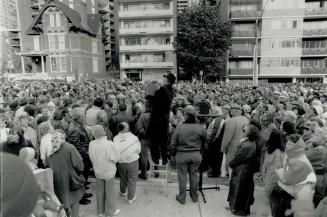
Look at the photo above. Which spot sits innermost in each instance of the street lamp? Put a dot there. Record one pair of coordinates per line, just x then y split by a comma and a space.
255, 49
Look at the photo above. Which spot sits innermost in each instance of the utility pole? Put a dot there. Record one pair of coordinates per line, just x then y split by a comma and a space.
256, 45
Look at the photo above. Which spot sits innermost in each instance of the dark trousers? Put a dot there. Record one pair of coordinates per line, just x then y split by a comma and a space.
280, 201
159, 147
144, 156
87, 166
188, 163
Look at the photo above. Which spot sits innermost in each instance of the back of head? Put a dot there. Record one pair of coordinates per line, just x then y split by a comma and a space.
19, 192
98, 102
98, 131
123, 127
122, 107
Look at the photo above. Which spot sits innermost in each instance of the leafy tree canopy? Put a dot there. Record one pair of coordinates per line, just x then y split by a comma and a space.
202, 40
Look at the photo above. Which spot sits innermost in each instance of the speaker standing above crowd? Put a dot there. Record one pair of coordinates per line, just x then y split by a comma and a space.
281, 129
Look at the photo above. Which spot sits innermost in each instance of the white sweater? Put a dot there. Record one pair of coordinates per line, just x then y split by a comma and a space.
129, 147
103, 156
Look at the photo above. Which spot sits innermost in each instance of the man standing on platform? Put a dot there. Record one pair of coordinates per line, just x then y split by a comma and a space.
160, 104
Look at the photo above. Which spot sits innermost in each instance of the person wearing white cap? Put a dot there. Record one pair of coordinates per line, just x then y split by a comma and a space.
214, 133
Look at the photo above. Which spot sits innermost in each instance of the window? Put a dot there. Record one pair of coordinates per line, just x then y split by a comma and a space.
94, 46
167, 23
127, 58
54, 64
63, 63
93, 10
52, 42
95, 65
58, 20
52, 20
71, 5
62, 44
36, 43
294, 24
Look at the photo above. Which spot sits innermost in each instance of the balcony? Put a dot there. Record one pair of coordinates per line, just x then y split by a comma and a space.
157, 30
313, 13
244, 34
244, 14
241, 71
103, 2
141, 48
14, 35
314, 51
14, 43
241, 53
315, 32
147, 65
107, 47
105, 18
145, 13
314, 71
104, 10
35, 6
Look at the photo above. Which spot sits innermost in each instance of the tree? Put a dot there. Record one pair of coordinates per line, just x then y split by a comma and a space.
202, 41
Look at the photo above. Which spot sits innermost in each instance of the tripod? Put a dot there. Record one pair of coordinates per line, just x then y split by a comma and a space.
200, 189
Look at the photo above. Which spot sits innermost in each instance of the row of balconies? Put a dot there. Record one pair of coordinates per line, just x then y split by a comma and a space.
147, 65
154, 30
306, 33
305, 52
252, 14
140, 48
304, 71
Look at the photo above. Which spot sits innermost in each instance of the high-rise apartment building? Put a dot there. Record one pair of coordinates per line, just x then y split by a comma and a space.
292, 40
146, 33
182, 4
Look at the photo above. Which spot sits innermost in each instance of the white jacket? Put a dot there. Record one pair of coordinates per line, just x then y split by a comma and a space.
103, 156
129, 147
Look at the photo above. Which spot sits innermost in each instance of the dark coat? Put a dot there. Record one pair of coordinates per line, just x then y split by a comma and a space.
241, 190
79, 137
160, 105
318, 159
117, 119
62, 163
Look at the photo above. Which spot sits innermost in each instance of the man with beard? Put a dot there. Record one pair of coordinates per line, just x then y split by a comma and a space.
160, 105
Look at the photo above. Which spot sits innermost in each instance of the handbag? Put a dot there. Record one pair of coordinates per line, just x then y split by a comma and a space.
76, 181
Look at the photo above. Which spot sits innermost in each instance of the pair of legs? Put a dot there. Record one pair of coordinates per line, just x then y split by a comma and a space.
105, 197
280, 201
128, 177
188, 163
73, 210
144, 157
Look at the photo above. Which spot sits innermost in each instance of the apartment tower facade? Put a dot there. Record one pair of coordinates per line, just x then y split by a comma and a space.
292, 40
146, 33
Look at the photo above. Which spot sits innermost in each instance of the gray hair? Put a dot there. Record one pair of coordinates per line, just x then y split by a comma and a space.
78, 114
44, 128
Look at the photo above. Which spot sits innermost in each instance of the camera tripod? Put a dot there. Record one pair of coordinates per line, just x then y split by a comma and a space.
200, 188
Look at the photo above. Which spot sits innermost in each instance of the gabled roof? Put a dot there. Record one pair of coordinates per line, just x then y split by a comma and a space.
93, 21
73, 17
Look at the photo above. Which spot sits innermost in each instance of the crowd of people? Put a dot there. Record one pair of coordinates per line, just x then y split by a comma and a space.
108, 128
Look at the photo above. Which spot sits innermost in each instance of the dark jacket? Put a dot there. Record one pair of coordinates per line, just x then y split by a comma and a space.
142, 125
188, 137
79, 137
117, 119
160, 105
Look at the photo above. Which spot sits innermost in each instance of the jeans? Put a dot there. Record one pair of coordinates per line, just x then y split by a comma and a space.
105, 197
128, 177
188, 163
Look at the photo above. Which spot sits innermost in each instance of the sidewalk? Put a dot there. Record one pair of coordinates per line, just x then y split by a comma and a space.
152, 202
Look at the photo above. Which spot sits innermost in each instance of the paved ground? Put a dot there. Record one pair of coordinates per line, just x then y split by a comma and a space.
152, 202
